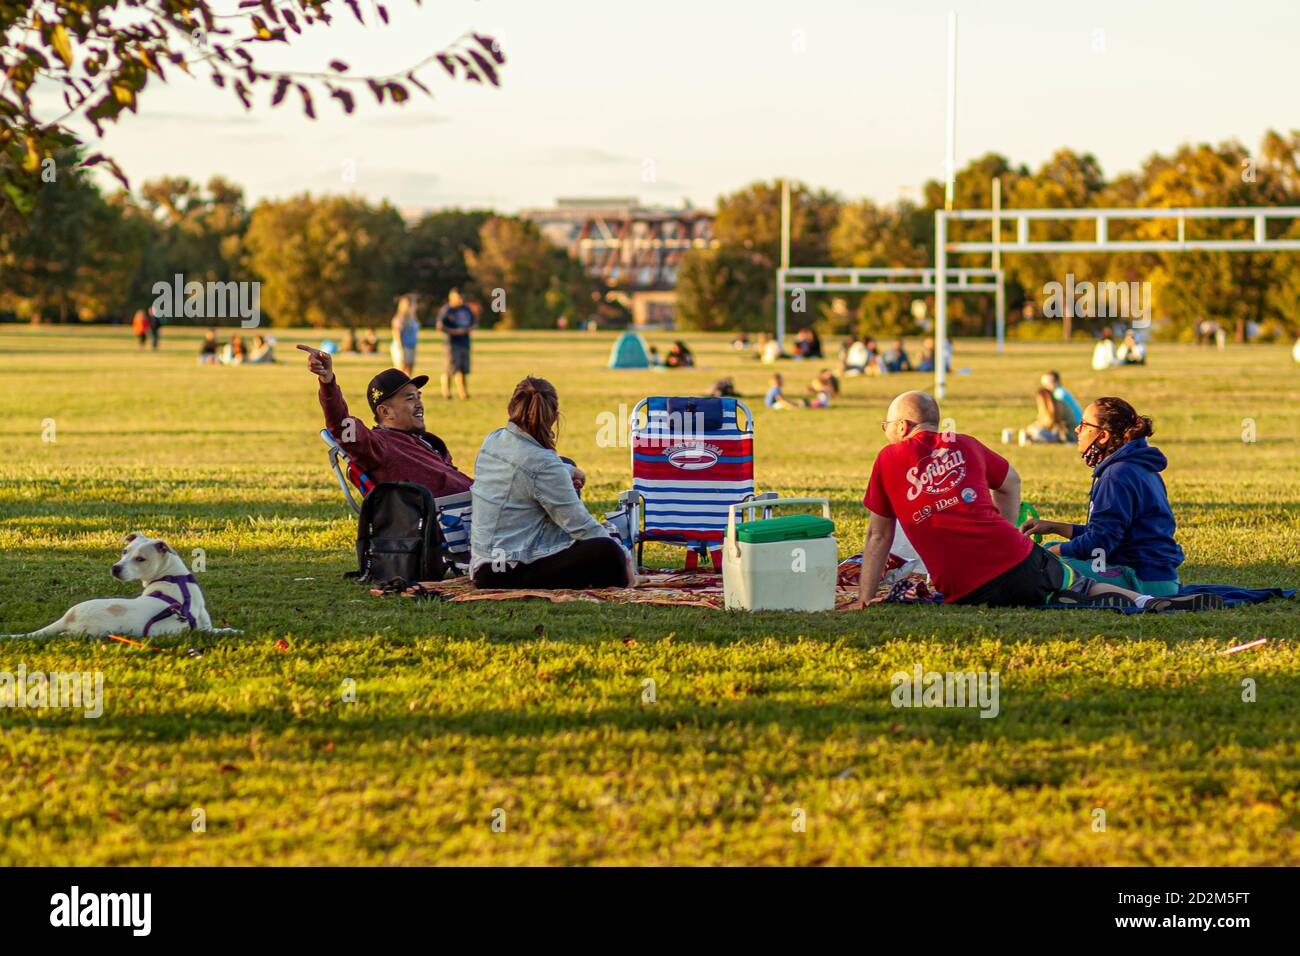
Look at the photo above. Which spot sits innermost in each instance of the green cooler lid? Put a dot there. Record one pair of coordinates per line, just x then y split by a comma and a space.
785, 528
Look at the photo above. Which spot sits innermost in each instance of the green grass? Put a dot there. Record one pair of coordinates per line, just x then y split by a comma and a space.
537, 709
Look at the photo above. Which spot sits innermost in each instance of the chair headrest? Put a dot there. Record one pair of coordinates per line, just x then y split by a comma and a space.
710, 410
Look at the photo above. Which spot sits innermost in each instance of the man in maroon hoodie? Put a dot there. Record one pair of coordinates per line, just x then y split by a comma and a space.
397, 448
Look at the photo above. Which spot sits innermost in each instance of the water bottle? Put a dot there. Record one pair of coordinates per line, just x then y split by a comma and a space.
1028, 511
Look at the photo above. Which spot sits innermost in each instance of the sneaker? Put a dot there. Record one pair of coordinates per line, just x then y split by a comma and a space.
1093, 600
1110, 600
1187, 602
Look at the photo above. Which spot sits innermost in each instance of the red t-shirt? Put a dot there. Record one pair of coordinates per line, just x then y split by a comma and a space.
939, 490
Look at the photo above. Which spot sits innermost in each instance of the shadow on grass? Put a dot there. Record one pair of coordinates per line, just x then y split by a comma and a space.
1194, 719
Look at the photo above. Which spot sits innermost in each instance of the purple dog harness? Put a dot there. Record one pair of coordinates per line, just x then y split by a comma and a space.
174, 607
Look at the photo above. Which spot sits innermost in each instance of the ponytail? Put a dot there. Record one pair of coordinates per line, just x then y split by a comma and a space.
535, 408
1122, 421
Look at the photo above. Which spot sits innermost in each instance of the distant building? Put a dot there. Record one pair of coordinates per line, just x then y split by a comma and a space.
635, 249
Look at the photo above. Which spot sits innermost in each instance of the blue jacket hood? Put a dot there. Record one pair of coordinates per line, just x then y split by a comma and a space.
1136, 452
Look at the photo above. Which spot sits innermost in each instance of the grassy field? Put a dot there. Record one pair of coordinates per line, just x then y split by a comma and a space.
531, 715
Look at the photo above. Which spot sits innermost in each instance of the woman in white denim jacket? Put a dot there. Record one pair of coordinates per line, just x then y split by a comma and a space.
529, 527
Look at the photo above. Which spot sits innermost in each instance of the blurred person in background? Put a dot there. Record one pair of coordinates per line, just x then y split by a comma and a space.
406, 334
1051, 380
456, 320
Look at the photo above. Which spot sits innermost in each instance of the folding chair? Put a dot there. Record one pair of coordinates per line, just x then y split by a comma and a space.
691, 460
454, 511
341, 464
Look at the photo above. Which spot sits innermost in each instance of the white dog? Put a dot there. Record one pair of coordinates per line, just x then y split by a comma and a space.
171, 602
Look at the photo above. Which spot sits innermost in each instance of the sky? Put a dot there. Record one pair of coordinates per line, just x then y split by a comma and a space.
691, 99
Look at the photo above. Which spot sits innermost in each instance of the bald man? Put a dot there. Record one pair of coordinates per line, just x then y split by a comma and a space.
957, 500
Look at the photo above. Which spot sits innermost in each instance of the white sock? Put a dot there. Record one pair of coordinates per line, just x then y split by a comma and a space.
1142, 600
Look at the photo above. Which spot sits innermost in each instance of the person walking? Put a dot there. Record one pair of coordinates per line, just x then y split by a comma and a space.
456, 320
140, 327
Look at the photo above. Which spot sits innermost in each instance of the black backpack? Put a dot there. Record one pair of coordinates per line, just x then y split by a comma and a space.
398, 535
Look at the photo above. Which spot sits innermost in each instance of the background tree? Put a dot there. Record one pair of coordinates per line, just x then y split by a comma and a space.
78, 259
720, 289
1232, 287
524, 282
868, 236
332, 261
197, 233
435, 253
750, 219
748, 230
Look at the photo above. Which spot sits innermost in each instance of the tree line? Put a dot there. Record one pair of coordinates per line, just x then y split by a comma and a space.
81, 255
733, 285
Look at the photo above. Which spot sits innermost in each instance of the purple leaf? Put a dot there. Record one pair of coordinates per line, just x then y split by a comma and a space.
485, 66
344, 97
306, 102
490, 44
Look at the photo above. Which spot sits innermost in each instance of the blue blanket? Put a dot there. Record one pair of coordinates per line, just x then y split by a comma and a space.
1232, 595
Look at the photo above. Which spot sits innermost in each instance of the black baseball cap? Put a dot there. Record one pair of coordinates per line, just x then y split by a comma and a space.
388, 383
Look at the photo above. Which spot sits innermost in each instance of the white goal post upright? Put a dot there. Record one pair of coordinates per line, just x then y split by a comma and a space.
1259, 242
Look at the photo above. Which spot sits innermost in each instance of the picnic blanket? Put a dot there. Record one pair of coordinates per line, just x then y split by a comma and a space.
1232, 595
914, 589
699, 588
702, 588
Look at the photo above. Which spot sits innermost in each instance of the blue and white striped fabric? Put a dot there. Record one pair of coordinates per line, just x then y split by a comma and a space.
454, 519
687, 474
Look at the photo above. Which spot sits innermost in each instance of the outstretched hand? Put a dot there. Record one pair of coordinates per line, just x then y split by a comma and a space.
320, 364
1038, 526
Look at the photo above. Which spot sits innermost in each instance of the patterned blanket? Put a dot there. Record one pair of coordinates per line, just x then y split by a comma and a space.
682, 588
703, 588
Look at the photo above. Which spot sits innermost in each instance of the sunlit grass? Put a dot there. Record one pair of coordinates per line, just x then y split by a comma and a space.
537, 710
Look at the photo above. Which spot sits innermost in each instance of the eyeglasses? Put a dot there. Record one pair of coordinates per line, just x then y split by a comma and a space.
1078, 428
884, 426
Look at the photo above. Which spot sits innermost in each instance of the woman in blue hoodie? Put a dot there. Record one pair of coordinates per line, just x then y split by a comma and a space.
1129, 537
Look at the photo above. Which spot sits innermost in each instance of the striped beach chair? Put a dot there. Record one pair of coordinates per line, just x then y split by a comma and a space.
692, 458
454, 519
453, 510
342, 465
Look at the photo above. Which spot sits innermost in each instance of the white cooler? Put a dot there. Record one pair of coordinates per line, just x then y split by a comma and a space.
794, 572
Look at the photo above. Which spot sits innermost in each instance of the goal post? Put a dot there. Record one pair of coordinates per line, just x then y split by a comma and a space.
891, 279
1259, 241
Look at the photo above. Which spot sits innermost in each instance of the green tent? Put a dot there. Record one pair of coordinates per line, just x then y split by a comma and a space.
629, 352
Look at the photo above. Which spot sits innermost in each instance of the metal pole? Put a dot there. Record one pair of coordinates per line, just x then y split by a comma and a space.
785, 264
785, 223
952, 111
1000, 300
940, 303
780, 310
1000, 297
